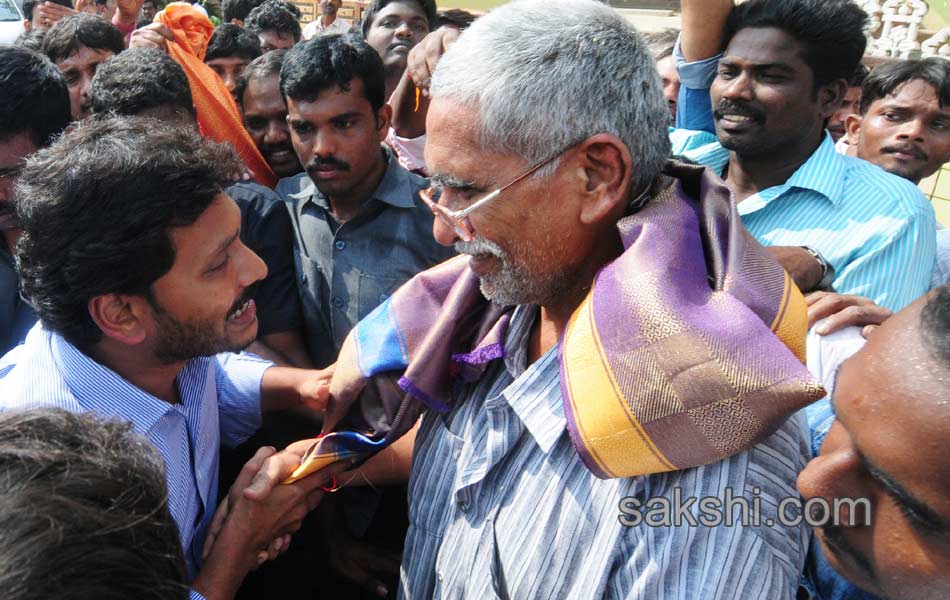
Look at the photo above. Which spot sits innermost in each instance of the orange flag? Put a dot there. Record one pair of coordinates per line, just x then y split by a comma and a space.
218, 115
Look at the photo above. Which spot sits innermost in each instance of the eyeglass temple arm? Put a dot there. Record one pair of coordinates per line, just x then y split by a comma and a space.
468, 210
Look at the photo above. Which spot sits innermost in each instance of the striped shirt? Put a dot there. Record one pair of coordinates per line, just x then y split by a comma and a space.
500, 505
876, 229
220, 403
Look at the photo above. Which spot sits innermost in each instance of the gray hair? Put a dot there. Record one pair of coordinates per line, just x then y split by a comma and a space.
546, 74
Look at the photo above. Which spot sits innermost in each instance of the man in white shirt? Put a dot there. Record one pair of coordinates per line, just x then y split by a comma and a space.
328, 21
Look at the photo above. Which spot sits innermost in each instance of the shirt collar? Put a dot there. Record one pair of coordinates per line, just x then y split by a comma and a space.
394, 189
823, 172
535, 395
103, 391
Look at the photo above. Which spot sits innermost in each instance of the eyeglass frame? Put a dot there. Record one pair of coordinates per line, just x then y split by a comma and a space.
456, 218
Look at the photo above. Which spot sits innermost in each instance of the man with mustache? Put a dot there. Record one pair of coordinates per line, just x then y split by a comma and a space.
328, 21
782, 75
393, 28
898, 463
361, 229
143, 287
265, 113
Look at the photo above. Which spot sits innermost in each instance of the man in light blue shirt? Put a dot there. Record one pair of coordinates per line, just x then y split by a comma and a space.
782, 75
143, 288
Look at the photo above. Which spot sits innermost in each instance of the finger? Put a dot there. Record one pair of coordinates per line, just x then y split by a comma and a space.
320, 478
314, 498
832, 304
252, 467
814, 297
853, 316
217, 522
869, 330
275, 469
162, 30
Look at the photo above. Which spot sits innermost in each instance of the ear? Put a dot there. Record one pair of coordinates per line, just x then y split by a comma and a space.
121, 317
830, 97
603, 174
852, 128
384, 119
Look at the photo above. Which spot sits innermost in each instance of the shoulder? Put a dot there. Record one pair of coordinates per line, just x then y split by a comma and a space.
30, 378
288, 186
874, 190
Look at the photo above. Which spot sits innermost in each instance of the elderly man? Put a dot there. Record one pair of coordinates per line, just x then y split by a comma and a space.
559, 355
328, 21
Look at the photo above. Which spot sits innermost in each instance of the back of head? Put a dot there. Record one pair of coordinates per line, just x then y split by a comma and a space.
935, 324
263, 66
68, 34
232, 41
105, 228
453, 17
831, 31
546, 74
885, 80
31, 40
661, 42
427, 6
33, 96
83, 511
238, 9
330, 61
273, 16
138, 80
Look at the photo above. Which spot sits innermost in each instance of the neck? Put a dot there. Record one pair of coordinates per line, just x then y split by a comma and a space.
750, 175
557, 312
327, 19
392, 81
345, 207
137, 366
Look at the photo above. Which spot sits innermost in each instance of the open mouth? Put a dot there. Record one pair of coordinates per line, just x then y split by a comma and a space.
245, 314
737, 119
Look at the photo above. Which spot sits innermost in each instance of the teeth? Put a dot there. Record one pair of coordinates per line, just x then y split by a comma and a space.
736, 118
240, 311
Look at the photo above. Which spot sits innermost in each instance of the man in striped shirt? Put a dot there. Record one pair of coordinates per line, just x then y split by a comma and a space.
501, 505
782, 75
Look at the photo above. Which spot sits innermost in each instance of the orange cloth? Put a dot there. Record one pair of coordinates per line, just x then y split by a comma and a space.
218, 115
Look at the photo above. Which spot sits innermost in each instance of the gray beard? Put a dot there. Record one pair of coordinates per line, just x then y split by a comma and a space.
513, 284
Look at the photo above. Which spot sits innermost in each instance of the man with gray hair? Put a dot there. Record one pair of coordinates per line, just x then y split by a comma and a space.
609, 342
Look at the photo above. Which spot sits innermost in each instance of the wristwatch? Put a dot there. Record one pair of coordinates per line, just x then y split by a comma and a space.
827, 269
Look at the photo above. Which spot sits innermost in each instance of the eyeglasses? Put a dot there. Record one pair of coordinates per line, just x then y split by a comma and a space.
456, 218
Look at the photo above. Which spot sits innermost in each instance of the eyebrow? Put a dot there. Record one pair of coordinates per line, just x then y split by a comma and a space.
353, 114
921, 511
451, 181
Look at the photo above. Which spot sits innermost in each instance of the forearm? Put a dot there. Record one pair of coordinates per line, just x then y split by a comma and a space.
281, 388
390, 467
703, 24
223, 570
408, 120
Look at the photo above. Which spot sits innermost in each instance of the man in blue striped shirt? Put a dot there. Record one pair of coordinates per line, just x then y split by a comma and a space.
501, 505
781, 77
131, 256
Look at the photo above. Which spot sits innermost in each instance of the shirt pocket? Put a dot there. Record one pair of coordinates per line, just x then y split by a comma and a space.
374, 290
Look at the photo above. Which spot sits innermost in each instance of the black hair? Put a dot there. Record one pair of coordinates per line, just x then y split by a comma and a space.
885, 79
453, 17
68, 34
660, 43
858, 76
427, 6
273, 16
84, 511
230, 41
289, 7
333, 60
137, 80
29, 5
259, 68
33, 96
238, 9
104, 228
831, 31
935, 321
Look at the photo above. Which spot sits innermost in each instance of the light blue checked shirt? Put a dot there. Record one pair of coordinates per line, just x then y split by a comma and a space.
500, 505
877, 229
220, 403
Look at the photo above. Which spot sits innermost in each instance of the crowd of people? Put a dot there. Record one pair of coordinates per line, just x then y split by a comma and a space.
441, 305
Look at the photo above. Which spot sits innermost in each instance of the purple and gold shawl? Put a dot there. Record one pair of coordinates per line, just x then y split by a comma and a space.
688, 348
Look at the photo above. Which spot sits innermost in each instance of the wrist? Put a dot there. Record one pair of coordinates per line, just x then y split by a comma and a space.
225, 567
826, 270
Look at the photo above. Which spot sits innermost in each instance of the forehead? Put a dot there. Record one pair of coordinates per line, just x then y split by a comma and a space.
890, 398
916, 94
229, 61
404, 9
765, 45
331, 102
452, 147
194, 243
265, 91
84, 56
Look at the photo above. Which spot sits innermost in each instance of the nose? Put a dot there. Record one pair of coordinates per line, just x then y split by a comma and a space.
834, 474
403, 30
912, 129
252, 268
324, 144
229, 81
739, 88
276, 132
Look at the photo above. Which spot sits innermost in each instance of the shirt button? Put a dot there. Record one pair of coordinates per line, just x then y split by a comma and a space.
340, 244
337, 302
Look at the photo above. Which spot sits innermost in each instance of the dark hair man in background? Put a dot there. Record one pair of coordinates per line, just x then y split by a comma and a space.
393, 28
43, 14
148, 11
84, 511
274, 25
850, 105
661, 46
230, 50
34, 108
265, 113
77, 45
235, 11
147, 82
